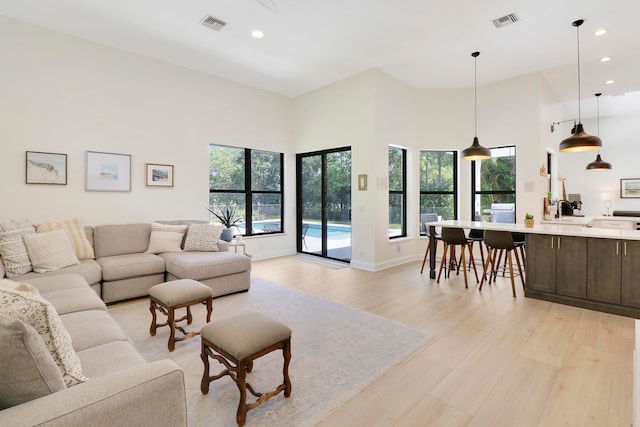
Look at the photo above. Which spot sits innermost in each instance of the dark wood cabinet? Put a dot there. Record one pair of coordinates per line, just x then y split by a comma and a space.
571, 266
630, 285
604, 271
557, 264
541, 263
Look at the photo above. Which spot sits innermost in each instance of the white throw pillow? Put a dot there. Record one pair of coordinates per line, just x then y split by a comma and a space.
50, 251
43, 317
166, 238
202, 238
77, 235
14, 254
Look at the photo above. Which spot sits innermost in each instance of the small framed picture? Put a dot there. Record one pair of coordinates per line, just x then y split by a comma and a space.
159, 175
108, 172
630, 188
46, 168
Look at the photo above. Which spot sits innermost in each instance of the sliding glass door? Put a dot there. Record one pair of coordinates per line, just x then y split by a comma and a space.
324, 203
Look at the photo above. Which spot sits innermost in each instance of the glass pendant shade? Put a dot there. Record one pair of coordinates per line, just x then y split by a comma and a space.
599, 164
476, 151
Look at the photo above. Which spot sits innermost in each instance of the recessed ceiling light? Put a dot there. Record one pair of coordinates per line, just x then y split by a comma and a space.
605, 59
609, 82
257, 34
601, 32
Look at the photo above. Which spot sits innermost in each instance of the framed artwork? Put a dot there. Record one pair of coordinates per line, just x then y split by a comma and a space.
108, 172
46, 168
630, 188
159, 175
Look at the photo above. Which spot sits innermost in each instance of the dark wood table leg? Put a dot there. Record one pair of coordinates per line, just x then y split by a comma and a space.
432, 252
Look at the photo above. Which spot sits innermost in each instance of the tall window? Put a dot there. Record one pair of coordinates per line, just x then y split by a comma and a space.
397, 192
250, 181
493, 184
438, 184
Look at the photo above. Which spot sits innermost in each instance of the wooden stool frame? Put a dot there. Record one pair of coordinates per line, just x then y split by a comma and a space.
238, 369
169, 311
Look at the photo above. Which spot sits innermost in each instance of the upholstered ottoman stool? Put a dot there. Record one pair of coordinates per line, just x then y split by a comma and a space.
238, 340
169, 296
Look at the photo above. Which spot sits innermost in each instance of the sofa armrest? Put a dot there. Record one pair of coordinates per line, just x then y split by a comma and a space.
223, 246
153, 394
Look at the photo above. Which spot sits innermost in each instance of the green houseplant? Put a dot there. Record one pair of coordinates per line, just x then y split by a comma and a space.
528, 220
228, 216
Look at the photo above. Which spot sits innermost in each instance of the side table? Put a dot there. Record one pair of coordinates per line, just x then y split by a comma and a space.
235, 244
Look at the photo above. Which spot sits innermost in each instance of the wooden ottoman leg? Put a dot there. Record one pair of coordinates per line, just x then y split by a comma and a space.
241, 416
204, 355
189, 317
172, 332
152, 308
209, 302
286, 353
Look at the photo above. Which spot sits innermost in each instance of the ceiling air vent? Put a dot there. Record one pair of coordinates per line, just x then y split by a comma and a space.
505, 20
213, 22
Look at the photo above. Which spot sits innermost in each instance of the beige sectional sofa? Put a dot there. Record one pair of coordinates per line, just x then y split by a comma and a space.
122, 388
122, 268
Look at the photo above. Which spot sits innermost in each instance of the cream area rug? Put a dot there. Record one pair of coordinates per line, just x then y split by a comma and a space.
336, 352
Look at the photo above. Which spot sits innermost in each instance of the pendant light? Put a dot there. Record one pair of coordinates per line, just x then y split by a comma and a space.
598, 164
476, 151
579, 140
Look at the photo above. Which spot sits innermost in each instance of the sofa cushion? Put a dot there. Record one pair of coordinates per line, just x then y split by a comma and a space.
166, 238
29, 371
40, 314
72, 300
202, 238
88, 268
12, 250
50, 251
204, 265
108, 358
46, 284
77, 235
120, 239
91, 328
19, 286
133, 265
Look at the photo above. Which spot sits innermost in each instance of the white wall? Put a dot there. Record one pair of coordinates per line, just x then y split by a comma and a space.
62, 94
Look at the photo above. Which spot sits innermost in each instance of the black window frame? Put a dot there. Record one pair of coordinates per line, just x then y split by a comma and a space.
475, 192
248, 192
453, 193
402, 192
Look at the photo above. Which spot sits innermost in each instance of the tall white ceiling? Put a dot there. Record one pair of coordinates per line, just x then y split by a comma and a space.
423, 43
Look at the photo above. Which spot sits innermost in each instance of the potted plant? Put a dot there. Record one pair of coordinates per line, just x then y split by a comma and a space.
228, 216
528, 220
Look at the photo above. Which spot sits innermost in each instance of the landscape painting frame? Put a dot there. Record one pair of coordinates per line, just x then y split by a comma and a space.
159, 175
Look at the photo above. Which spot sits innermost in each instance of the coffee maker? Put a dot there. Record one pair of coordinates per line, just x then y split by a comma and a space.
576, 205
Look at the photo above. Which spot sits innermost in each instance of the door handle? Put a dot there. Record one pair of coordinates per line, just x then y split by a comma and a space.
558, 242
551, 242
617, 248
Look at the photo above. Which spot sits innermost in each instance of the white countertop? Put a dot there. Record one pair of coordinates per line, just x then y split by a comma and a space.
562, 227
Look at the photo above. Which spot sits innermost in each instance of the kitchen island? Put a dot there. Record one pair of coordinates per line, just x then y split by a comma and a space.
572, 263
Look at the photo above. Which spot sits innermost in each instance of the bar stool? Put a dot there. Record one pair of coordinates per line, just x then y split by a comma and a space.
453, 237
498, 241
474, 236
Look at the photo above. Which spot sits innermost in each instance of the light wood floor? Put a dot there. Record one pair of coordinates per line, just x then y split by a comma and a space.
493, 360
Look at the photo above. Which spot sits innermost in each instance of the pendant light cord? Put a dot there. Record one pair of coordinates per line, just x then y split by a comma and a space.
579, 89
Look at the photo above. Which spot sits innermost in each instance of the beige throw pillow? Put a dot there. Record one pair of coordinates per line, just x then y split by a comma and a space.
43, 317
14, 253
166, 238
202, 237
50, 251
75, 230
